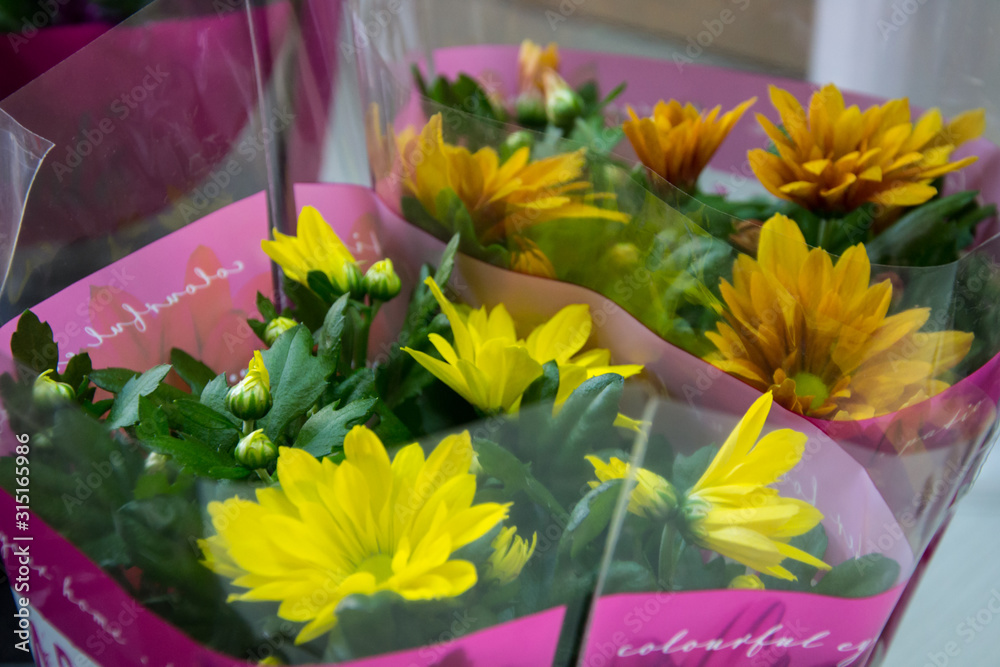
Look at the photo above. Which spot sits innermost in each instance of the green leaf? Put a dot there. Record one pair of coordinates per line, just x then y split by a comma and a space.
587, 416
447, 262
859, 577
310, 309
112, 379
591, 515
152, 420
325, 431
32, 344
266, 308
201, 422
626, 576
516, 476
77, 370
390, 429
330, 335
198, 458
297, 379
125, 410
693, 574
214, 396
192, 371
689, 469
320, 283
545, 388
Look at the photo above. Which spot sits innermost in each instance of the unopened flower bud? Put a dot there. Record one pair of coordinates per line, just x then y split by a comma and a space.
251, 398
623, 257
255, 450
355, 282
747, 581
276, 327
562, 104
381, 281
516, 141
530, 108
48, 391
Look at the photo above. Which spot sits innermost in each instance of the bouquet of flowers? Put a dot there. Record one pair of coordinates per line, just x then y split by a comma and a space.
530, 395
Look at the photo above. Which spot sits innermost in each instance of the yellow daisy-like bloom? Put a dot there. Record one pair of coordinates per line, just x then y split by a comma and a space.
532, 63
315, 248
653, 497
677, 142
732, 508
510, 555
359, 527
503, 199
836, 158
490, 367
818, 335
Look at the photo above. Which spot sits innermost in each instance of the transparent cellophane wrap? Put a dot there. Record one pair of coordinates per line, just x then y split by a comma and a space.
920, 457
896, 477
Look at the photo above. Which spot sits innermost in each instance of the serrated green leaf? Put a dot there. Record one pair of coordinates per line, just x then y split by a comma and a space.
192, 371
77, 370
125, 410
297, 379
544, 388
152, 420
266, 308
214, 396
310, 309
320, 283
325, 431
202, 423
591, 515
32, 344
198, 458
112, 379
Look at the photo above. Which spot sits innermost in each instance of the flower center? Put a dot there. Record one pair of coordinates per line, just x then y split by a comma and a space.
379, 565
807, 384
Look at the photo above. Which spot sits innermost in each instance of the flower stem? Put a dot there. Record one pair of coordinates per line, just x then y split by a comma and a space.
248, 425
667, 547
264, 476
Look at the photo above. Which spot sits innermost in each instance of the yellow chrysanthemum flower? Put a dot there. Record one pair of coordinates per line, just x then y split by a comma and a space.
490, 367
510, 555
315, 248
503, 199
732, 508
532, 63
817, 334
677, 142
359, 527
836, 158
653, 497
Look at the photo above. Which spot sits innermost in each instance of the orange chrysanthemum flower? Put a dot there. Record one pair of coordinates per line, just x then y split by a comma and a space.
533, 62
677, 142
505, 198
836, 158
817, 334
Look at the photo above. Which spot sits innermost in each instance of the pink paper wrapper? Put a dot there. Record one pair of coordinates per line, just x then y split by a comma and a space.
156, 300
